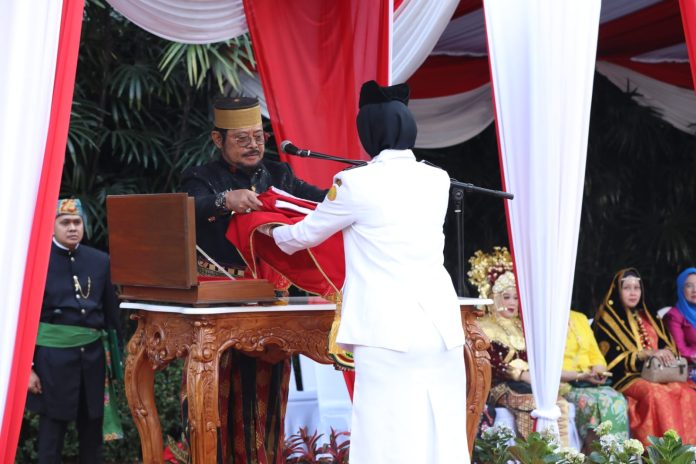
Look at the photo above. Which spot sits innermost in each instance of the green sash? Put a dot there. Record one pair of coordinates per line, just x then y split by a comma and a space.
71, 336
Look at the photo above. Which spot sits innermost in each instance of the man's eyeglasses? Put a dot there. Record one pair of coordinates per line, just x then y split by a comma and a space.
244, 140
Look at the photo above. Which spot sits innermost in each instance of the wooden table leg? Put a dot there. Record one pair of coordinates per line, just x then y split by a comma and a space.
478, 373
139, 385
202, 392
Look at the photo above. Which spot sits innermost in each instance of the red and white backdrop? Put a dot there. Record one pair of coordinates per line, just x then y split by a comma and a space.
37, 74
312, 56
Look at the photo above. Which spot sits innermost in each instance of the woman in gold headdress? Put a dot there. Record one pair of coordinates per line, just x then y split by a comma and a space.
511, 384
628, 334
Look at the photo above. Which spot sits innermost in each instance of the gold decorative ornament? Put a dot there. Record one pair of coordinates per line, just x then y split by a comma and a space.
488, 268
331, 195
78, 287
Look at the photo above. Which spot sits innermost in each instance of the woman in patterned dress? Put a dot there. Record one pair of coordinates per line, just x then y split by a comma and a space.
628, 334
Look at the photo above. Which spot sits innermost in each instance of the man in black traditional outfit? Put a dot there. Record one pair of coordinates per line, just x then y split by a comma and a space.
68, 376
253, 393
230, 184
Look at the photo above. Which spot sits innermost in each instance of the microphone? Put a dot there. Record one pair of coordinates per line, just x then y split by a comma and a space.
291, 149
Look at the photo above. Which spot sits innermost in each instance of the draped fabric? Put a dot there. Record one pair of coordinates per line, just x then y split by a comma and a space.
645, 36
542, 92
676, 105
186, 21
36, 96
442, 123
417, 27
299, 80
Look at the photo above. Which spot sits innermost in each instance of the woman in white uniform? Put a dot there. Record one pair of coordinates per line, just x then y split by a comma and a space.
400, 313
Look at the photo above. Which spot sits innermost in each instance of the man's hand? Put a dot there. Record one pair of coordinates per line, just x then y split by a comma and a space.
34, 383
242, 201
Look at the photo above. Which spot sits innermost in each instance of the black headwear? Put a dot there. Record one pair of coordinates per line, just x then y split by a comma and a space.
384, 121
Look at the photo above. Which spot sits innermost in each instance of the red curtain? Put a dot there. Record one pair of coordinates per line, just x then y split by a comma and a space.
313, 56
42, 228
688, 15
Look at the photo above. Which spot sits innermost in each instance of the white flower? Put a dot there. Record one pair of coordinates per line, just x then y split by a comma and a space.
633, 446
550, 437
572, 456
604, 428
610, 444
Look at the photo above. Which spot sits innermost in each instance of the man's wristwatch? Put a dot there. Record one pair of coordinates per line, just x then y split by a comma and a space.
220, 203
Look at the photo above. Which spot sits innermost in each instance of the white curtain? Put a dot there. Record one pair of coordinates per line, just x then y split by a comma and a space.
418, 25
542, 56
186, 21
449, 120
677, 105
27, 60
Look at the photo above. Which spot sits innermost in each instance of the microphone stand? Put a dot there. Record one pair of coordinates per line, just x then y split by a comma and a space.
317, 155
458, 189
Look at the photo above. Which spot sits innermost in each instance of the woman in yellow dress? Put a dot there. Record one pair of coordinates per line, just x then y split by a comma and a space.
585, 369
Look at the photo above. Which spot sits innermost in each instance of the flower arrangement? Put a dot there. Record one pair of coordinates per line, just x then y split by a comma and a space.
611, 449
494, 447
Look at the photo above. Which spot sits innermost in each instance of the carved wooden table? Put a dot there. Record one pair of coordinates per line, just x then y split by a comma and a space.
273, 333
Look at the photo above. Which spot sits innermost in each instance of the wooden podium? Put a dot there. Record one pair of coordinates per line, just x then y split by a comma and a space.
153, 258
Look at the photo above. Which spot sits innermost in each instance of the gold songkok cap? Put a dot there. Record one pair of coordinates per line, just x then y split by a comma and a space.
237, 112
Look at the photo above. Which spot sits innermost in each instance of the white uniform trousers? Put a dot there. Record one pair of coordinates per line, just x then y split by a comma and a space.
410, 407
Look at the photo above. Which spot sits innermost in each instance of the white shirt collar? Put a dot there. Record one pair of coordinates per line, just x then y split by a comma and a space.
389, 154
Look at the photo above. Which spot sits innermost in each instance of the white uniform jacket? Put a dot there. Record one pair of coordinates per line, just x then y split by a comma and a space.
391, 212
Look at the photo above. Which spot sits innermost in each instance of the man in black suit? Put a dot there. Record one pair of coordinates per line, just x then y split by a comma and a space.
68, 373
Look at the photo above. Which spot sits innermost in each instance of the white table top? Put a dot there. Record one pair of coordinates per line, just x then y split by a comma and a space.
294, 304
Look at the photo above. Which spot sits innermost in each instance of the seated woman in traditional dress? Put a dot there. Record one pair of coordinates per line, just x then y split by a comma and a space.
585, 369
681, 319
628, 335
511, 383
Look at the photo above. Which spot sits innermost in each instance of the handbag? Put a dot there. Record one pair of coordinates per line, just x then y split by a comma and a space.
654, 371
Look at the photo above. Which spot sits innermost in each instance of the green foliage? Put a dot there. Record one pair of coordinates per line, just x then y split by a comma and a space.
536, 449
493, 448
669, 450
